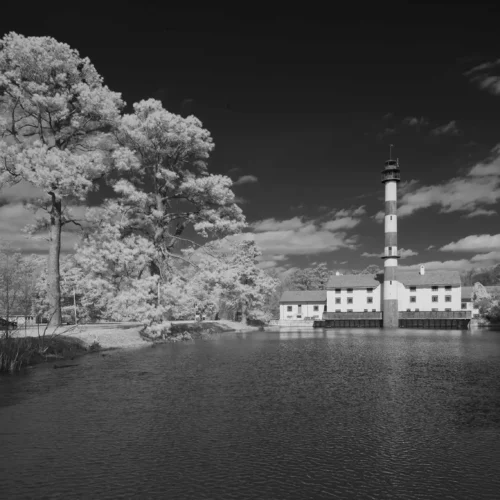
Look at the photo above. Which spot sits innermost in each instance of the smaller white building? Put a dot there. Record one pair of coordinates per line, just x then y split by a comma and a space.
302, 304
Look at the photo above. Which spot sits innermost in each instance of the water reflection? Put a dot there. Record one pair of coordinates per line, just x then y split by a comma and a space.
297, 414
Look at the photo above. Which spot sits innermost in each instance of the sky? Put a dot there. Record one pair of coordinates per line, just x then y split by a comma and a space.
302, 108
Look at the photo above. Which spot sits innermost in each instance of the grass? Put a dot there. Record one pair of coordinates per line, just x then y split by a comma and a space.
19, 352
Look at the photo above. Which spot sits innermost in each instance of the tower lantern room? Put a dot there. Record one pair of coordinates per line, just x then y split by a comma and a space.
391, 171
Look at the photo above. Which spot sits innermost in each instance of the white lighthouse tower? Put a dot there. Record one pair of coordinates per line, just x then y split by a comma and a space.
390, 177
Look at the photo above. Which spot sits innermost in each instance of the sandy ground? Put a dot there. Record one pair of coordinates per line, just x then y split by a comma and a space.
114, 335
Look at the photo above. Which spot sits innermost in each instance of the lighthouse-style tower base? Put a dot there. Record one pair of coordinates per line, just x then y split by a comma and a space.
390, 177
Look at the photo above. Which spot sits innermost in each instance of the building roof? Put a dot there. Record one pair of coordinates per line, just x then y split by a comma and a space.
407, 278
414, 278
304, 296
353, 281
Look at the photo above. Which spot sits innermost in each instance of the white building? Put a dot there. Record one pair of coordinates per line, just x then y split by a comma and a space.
418, 290
302, 304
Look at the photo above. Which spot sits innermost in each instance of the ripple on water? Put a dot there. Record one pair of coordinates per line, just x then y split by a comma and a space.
348, 414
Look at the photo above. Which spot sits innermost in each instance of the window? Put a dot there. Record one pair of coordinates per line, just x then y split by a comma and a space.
349, 290
447, 309
324, 308
408, 310
434, 298
413, 289
289, 308
366, 310
337, 290
369, 300
390, 250
413, 299
464, 305
349, 310
349, 300
369, 290
447, 288
435, 288
447, 298
374, 310
433, 310
337, 310
337, 301
416, 310
299, 316
316, 308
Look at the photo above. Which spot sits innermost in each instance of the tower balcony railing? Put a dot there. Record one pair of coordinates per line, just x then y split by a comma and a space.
390, 176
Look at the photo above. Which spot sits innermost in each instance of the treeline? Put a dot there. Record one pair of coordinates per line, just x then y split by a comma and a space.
142, 255
486, 276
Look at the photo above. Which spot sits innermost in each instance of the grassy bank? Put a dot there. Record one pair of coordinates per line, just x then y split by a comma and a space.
19, 352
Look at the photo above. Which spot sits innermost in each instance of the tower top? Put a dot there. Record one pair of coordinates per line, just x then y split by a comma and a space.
391, 168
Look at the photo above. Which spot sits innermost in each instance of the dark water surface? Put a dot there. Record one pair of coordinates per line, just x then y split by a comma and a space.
336, 414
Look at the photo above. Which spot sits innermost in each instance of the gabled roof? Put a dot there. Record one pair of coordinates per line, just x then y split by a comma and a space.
304, 296
407, 278
353, 281
436, 278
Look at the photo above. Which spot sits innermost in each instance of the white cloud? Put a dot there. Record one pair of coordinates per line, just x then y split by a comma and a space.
450, 265
481, 75
275, 225
403, 253
342, 223
447, 129
479, 187
22, 191
245, 179
474, 243
368, 254
480, 211
14, 217
413, 121
379, 216
296, 236
487, 257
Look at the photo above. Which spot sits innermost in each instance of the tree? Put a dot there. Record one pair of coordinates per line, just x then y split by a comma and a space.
56, 116
17, 279
312, 278
167, 192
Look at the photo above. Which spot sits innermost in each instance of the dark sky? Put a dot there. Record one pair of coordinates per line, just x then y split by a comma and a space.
297, 99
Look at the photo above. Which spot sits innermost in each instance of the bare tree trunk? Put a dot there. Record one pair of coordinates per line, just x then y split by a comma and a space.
244, 318
53, 273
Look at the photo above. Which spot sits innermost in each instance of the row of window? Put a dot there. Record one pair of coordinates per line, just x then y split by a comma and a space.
412, 289
369, 300
290, 308
433, 310
350, 310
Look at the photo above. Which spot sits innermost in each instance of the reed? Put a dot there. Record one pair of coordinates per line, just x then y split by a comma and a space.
19, 352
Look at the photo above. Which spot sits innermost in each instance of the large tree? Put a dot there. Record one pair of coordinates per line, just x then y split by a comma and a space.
165, 187
55, 118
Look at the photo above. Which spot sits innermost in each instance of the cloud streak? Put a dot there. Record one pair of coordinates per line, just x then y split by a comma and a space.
245, 179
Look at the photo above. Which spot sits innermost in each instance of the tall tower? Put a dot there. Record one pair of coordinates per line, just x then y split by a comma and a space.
390, 177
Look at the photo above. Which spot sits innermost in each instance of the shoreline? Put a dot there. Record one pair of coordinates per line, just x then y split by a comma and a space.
68, 342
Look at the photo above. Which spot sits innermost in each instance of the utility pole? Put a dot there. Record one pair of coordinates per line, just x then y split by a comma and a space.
74, 302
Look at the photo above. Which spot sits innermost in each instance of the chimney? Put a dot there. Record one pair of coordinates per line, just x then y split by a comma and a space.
422, 270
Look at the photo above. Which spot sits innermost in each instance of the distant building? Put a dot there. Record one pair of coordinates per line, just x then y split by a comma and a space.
302, 304
416, 291
392, 297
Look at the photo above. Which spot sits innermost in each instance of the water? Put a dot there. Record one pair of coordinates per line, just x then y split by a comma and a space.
342, 414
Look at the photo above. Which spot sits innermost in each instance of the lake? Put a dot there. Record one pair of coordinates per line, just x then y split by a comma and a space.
262, 415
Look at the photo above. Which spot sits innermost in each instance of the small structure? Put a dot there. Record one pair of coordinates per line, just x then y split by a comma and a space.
302, 304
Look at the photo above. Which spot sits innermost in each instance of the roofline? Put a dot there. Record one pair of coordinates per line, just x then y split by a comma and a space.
301, 301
